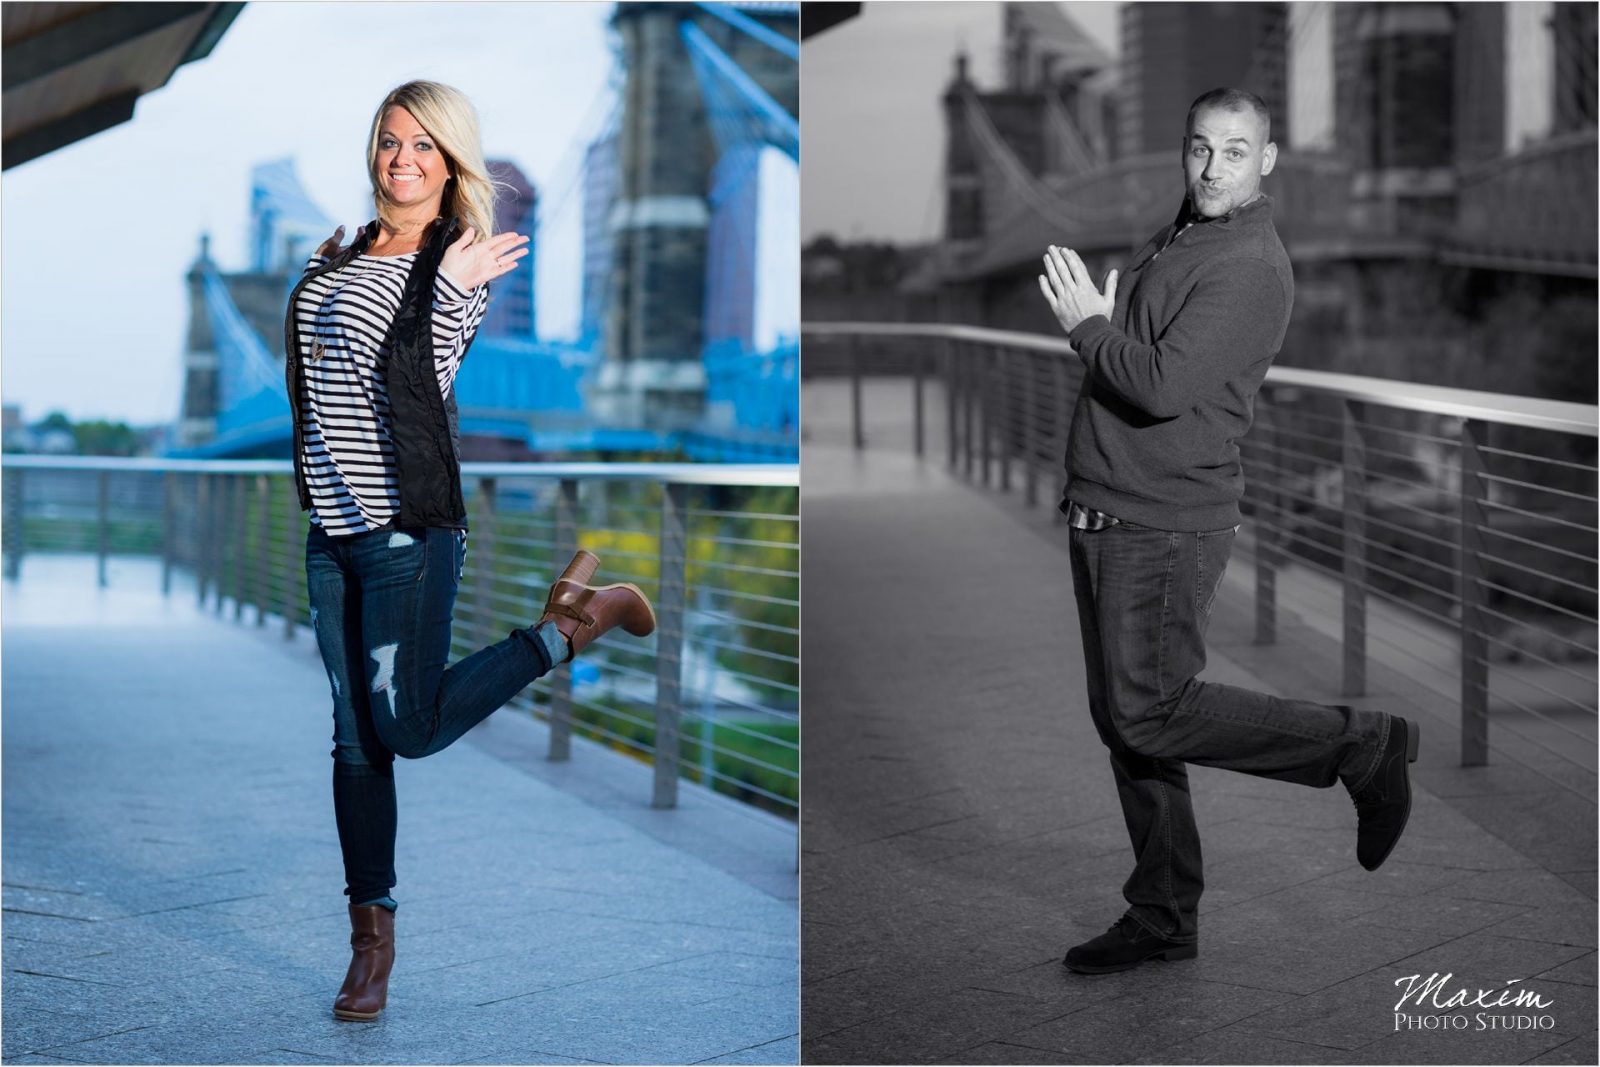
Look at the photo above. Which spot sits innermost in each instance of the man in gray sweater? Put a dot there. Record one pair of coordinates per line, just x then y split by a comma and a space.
1174, 352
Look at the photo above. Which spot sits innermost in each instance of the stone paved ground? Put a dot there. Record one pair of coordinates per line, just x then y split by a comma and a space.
960, 827
172, 880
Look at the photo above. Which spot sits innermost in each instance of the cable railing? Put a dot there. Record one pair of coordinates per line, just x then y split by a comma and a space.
1459, 526
712, 695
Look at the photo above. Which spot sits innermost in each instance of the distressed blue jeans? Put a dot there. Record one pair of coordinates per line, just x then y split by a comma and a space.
1144, 600
381, 607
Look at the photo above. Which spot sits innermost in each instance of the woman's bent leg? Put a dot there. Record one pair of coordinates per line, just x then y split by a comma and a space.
419, 704
363, 767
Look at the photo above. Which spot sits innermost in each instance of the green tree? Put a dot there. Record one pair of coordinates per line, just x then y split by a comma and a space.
101, 438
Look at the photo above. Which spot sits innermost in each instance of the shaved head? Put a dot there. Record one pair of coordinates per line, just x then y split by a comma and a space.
1234, 100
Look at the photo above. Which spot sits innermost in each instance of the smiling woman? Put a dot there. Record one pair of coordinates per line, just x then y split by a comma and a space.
375, 333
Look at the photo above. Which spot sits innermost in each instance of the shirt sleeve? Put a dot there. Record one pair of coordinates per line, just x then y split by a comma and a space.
457, 311
1233, 317
314, 262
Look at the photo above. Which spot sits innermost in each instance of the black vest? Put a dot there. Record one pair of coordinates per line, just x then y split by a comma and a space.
424, 428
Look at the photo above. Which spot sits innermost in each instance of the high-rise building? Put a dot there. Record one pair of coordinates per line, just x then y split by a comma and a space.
600, 178
1479, 115
513, 311
1173, 52
1395, 111
735, 203
1573, 33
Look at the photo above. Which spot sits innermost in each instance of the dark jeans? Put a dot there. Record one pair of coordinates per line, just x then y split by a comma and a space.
381, 605
1144, 599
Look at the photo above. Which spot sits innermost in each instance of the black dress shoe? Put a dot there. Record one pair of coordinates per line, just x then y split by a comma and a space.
1384, 804
1126, 945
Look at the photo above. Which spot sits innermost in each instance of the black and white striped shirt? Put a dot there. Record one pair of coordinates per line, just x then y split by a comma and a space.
343, 317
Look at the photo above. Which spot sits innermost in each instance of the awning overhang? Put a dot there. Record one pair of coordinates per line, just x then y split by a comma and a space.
71, 70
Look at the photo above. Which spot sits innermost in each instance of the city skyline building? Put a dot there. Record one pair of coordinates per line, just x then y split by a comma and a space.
1395, 111
1481, 100
1573, 27
1164, 67
599, 194
513, 312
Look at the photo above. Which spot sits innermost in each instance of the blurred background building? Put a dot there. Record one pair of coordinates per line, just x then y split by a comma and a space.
1439, 208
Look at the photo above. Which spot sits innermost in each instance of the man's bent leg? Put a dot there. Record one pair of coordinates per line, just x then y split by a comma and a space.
1155, 591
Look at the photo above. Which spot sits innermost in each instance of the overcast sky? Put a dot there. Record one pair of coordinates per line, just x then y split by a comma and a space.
98, 235
871, 126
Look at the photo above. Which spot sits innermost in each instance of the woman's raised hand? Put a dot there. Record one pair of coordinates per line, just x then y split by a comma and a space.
471, 264
330, 247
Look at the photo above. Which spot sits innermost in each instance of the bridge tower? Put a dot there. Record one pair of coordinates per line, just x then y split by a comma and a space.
197, 413
655, 281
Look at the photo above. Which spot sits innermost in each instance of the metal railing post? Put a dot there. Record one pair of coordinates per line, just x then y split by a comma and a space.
1355, 549
202, 528
916, 400
947, 355
102, 525
261, 557
1005, 376
218, 539
1267, 529
16, 484
984, 413
168, 530
482, 602
670, 641
1030, 452
1474, 631
222, 511
968, 415
857, 434
963, 423
238, 522
293, 577
566, 543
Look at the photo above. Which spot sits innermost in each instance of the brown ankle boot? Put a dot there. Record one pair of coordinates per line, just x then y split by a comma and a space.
583, 612
366, 983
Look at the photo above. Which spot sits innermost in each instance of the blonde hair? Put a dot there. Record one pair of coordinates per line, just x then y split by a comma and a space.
451, 120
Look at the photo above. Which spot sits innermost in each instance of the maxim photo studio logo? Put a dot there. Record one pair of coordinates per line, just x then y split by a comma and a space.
1431, 1004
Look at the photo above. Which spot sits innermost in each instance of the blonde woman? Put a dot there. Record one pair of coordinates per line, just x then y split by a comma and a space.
375, 334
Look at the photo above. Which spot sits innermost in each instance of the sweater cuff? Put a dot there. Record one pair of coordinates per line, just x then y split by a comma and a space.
1088, 330
449, 290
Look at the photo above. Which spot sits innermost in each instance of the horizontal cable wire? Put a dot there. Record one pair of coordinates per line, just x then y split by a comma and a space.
1500, 506
1492, 613
1338, 576
1290, 600
1587, 468
1589, 709
1508, 535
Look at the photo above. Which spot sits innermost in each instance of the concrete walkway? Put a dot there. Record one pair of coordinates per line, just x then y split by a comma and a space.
172, 875
960, 827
